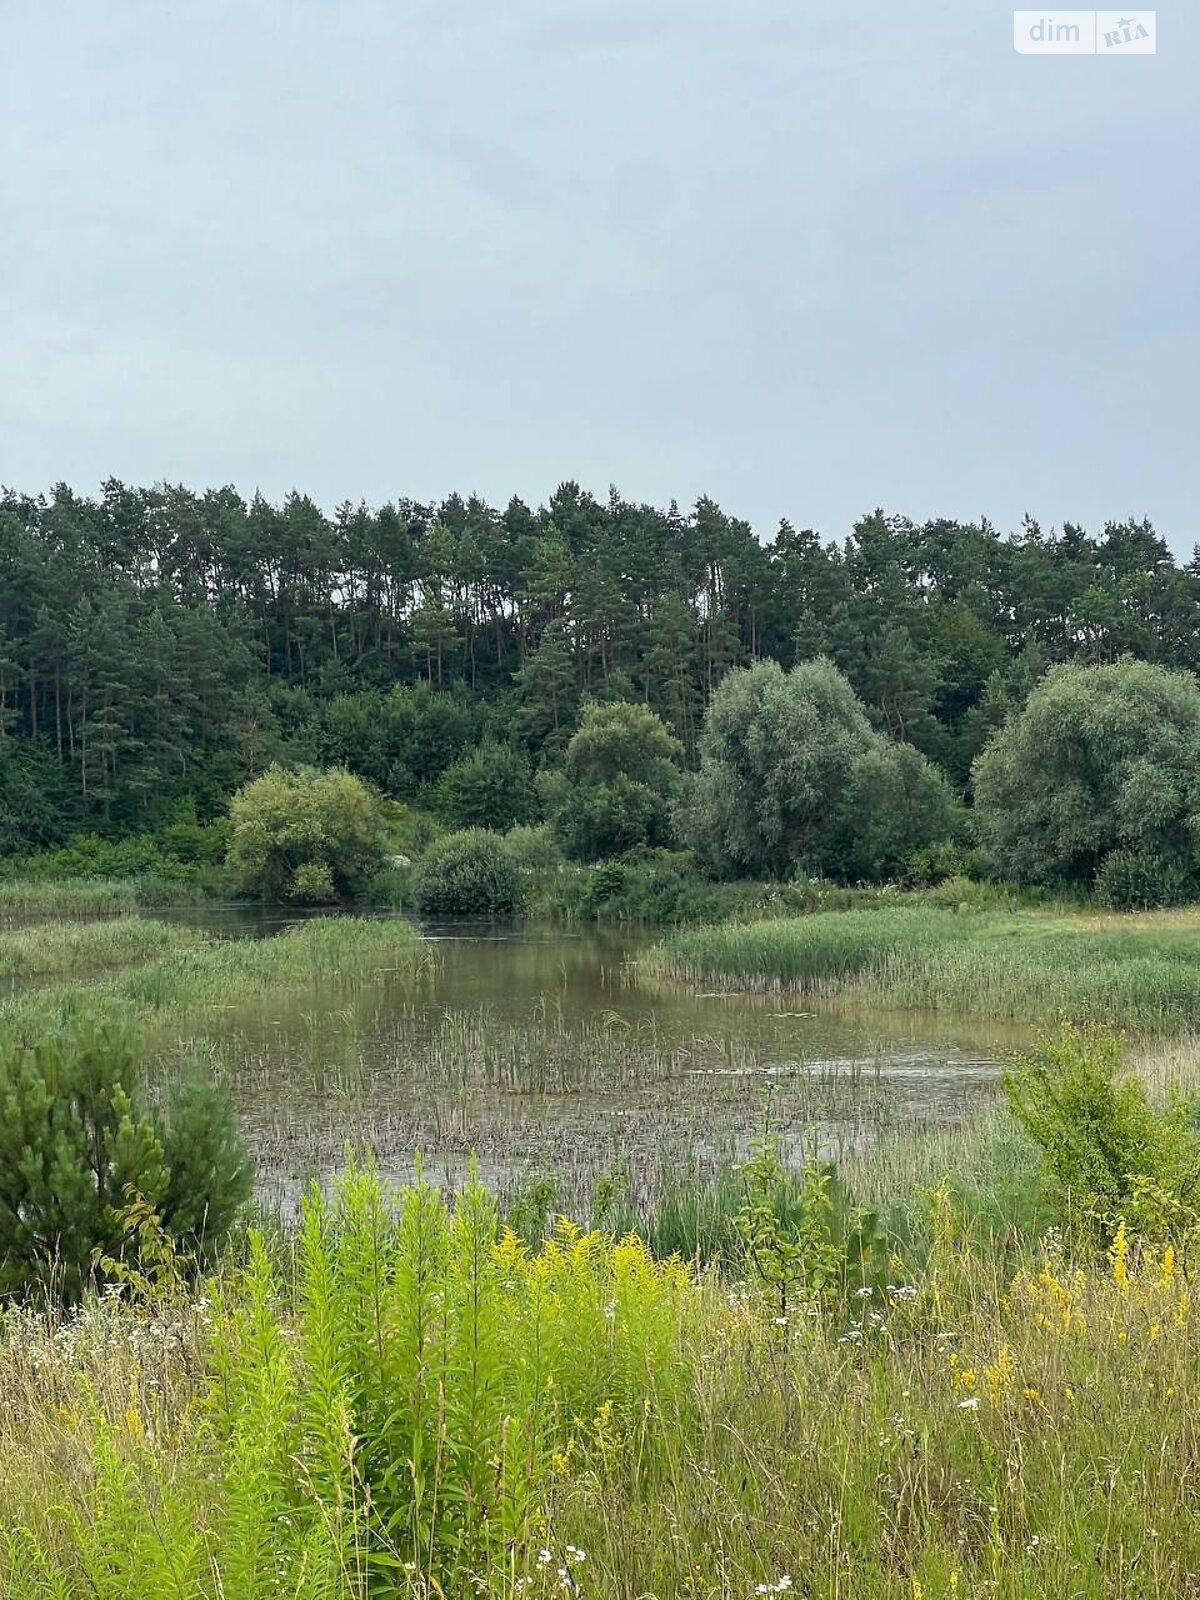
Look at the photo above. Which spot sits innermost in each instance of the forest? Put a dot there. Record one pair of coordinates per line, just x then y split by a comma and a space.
158, 646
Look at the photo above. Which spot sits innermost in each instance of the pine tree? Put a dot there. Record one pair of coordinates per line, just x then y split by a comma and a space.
78, 1144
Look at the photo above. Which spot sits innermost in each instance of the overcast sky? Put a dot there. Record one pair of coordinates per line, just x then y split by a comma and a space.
805, 260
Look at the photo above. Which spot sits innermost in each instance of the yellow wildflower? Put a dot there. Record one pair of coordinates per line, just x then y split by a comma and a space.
1118, 1255
999, 1376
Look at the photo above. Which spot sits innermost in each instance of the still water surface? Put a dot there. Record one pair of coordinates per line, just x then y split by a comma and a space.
542, 1050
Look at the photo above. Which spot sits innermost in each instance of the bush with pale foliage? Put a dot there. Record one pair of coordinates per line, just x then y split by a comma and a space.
309, 837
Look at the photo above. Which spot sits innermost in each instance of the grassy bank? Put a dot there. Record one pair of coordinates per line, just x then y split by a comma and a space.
91, 897
1138, 972
189, 973
85, 948
414, 1403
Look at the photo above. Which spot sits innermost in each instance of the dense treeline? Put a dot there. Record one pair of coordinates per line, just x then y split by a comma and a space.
158, 644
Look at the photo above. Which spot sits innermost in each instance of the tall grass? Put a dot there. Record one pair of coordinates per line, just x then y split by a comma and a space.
88, 897
84, 948
191, 973
1140, 973
413, 1403
332, 949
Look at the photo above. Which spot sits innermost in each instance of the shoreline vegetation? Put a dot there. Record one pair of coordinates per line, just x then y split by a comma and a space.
54, 949
582, 1408
662, 889
173, 970
1140, 972
36, 897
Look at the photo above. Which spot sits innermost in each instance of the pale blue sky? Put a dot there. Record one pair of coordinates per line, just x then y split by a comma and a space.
805, 260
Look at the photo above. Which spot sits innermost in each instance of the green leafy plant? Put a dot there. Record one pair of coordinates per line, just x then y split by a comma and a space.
800, 1243
1110, 1155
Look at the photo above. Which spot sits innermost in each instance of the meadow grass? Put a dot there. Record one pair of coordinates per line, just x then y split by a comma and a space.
82, 948
1134, 972
406, 1400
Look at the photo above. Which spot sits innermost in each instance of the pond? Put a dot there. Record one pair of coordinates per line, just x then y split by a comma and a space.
542, 1050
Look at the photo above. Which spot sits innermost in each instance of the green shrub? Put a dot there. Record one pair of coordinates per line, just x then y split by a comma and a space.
391, 886
79, 1145
186, 839
312, 885
469, 873
408, 831
974, 894
1110, 1156
605, 884
655, 887
183, 852
287, 824
533, 850
548, 886
934, 863
1133, 880
800, 1241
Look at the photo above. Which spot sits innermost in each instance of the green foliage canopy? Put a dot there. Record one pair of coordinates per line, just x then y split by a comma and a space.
1100, 760
306, 836
490, 786
793, 774
615, 788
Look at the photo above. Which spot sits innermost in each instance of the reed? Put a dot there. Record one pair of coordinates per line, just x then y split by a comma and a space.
190, 973
90, 897
84, 948
1141, 973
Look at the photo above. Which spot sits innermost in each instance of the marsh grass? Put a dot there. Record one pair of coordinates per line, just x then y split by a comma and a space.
1134, 972
189, 973
554, 1093
85, 948
90, 897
